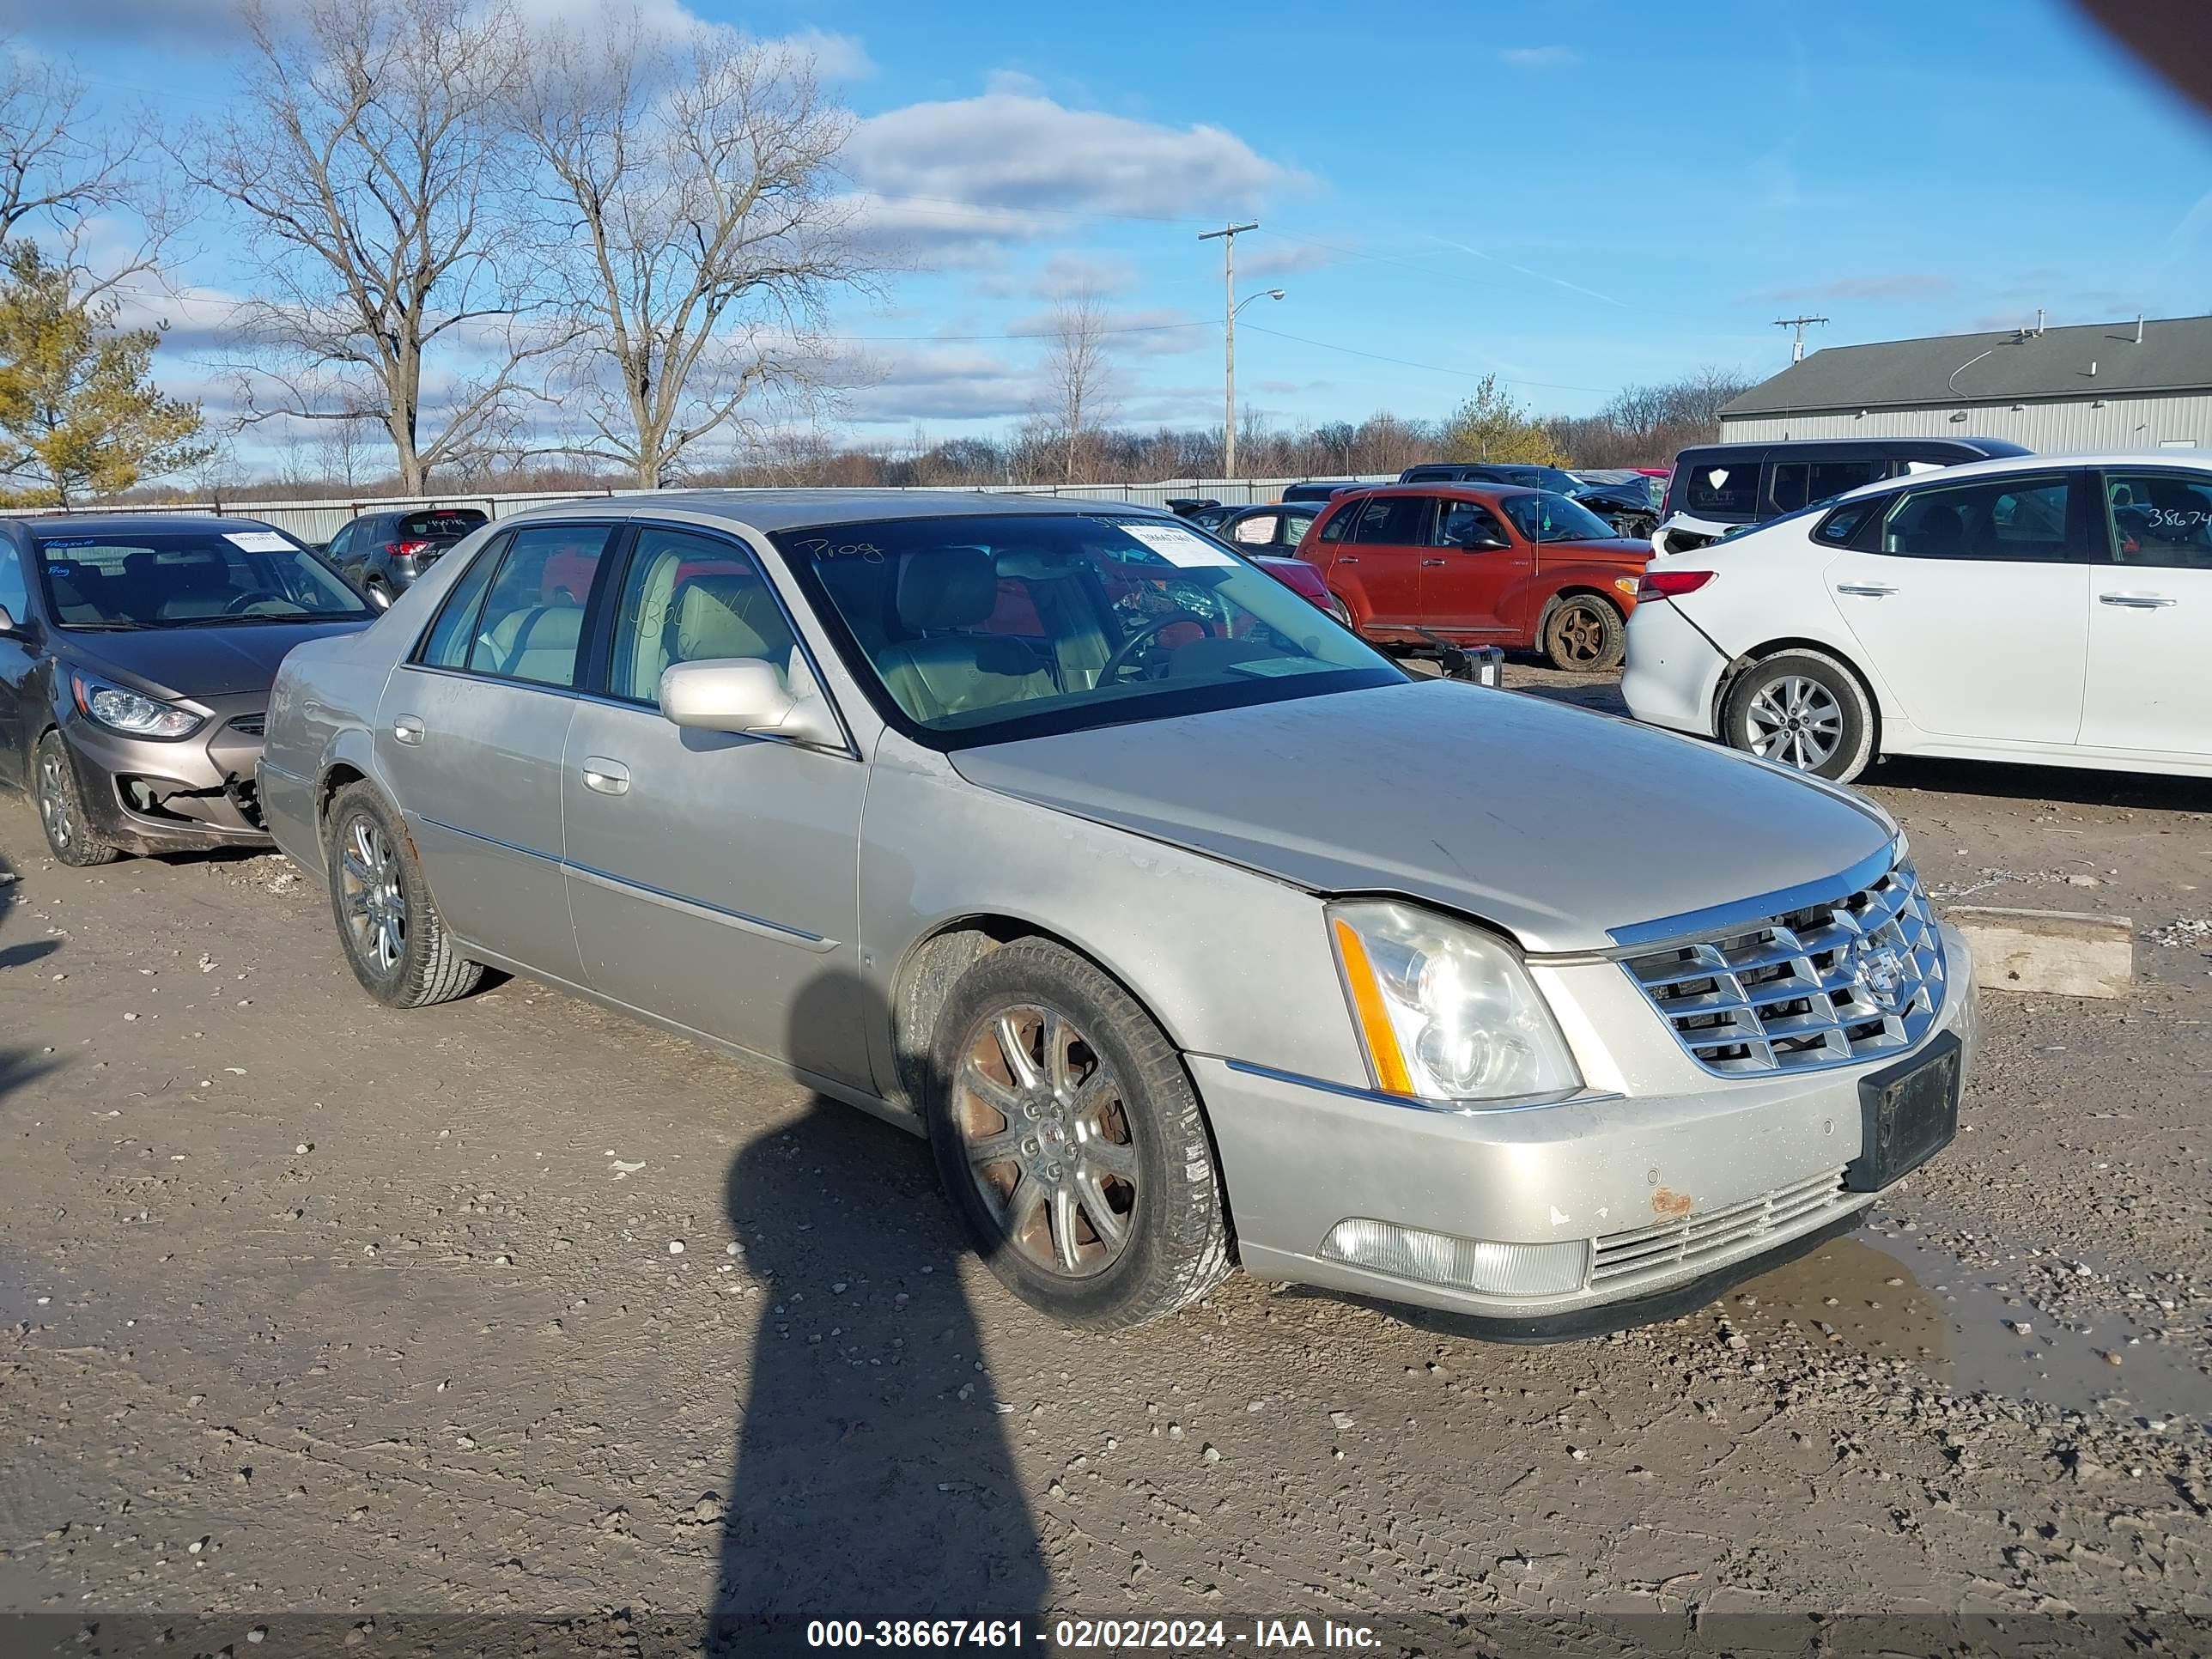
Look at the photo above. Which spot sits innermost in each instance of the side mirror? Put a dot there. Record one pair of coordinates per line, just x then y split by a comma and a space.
746, 696
1481, 541
8, 624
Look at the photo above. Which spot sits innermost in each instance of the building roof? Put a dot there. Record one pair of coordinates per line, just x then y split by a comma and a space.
2007, 367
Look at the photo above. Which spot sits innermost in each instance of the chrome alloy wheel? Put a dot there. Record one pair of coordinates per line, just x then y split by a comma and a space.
368, 884
53, 799
1795, 721
1048, 1140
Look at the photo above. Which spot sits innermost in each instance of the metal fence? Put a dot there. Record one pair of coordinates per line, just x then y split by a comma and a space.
317, 521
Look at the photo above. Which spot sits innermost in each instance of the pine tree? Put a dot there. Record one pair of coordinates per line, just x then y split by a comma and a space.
79, 413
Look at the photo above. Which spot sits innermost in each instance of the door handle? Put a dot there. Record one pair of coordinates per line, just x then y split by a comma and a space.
608, 777
1433, 564
1865, 590
2137, 601
408, 730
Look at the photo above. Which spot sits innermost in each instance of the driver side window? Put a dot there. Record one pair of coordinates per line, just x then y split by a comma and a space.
1460, 522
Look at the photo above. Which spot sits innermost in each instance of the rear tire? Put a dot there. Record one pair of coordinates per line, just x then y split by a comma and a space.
1803, 708
1583, 634
69, 836
394, 940
1070, 1141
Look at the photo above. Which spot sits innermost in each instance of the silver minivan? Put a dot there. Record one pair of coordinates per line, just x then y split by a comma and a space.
1191, 932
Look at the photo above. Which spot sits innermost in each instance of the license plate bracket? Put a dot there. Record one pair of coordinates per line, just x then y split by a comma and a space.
1908, 1113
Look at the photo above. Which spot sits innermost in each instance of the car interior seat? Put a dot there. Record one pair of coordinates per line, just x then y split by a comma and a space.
940, 670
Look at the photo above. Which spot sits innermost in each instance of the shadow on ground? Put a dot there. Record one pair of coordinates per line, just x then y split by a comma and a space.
874, 1478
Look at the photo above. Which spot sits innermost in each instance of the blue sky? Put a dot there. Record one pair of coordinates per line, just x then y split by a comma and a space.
1573, 195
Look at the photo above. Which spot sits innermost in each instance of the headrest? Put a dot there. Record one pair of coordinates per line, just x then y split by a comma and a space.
712, 619
953, 587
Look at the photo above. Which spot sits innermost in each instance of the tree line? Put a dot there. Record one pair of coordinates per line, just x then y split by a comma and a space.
481, 250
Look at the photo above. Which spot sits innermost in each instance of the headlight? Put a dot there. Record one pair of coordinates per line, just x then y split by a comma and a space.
133, 714
1445, 1011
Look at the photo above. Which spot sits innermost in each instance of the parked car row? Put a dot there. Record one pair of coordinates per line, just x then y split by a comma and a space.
1058, 833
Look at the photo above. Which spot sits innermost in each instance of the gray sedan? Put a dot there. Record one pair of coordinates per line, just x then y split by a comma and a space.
1190, 931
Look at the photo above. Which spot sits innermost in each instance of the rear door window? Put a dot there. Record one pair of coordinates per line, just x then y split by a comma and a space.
1257, 530
2012, 519
1394, 520
532, 624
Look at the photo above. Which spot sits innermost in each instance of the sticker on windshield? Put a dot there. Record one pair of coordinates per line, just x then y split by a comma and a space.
1178, 546
257, 541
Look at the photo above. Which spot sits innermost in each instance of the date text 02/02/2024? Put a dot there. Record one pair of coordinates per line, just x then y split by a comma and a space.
1081, 1635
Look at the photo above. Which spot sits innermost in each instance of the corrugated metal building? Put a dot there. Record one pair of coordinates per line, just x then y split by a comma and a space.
2123, 387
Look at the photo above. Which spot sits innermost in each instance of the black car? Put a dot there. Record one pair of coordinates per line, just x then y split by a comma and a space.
1201, 510
1516, 474
1631, 505
382, 552
1717, 489
1317, 489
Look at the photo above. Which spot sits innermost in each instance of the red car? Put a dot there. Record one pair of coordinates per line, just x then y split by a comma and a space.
1480, 564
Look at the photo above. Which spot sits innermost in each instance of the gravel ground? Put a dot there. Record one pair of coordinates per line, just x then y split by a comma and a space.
421, 1323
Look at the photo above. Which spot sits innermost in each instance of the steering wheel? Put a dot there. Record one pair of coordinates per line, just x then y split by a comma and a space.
245, 602
1141, 633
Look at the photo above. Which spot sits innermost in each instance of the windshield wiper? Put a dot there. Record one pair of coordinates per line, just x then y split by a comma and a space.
116, 627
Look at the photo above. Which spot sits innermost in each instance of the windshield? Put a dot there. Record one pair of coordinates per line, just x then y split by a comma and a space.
986, 629
1550, 518
183, 578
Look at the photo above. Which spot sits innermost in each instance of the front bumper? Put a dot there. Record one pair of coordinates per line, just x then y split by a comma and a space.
1673, 674
1659, 1191
146, 796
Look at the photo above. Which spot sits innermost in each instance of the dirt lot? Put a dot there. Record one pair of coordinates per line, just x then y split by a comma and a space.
510, 1308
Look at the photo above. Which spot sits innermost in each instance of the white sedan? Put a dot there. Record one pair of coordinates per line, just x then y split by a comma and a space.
2035, 608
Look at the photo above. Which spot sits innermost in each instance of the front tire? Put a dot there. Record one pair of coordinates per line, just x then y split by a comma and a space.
394, 940
1583, 634
69, 836
1806, 709
1071, 1142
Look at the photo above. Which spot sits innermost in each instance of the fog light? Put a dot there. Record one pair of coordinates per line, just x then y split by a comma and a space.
1483, 1265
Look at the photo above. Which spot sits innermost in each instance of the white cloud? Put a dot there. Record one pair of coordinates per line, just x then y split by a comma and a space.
1285, 258
1540, 57
1161, 332
1013, 149
897, 384
1072, 271
836, 57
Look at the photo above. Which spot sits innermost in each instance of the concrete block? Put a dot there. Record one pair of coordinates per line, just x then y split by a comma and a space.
2050, 952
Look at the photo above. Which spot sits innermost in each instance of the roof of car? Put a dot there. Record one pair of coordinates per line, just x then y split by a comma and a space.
109, 524
2198, 460
1478, 487
796, 509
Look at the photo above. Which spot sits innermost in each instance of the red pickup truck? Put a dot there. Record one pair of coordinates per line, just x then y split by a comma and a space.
1480, 564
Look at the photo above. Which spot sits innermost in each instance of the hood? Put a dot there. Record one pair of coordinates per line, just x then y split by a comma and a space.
198, 662
1552, 823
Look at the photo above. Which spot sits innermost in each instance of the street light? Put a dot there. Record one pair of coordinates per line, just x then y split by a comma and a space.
1229, 430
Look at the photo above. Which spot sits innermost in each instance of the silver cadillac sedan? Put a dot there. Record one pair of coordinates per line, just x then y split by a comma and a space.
1190, 931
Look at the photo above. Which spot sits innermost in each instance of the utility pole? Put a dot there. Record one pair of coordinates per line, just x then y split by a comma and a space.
1797, 342
1229, 233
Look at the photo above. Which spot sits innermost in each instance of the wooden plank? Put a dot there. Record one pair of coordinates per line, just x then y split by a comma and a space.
2049, 953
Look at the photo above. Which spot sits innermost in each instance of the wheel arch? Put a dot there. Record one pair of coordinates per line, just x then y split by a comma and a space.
1744, 662
934, 965
925, 976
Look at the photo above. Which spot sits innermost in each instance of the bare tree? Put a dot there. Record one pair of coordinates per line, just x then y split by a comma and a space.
688, 176
341, 452
1080, 387
64, 168
366, 153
